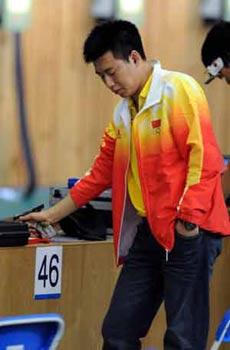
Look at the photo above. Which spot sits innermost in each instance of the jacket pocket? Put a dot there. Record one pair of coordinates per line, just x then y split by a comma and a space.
188, 238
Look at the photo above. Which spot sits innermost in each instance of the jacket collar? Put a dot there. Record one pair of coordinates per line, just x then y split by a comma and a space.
122, 113
156, 87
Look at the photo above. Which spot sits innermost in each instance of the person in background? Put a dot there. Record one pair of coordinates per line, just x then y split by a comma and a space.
160, 156
215, 52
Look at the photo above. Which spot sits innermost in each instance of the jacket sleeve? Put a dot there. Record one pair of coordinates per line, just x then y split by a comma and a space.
196, 142
99, 176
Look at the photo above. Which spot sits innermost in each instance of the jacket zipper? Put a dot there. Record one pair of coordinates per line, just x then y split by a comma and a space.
166, 255
181, 198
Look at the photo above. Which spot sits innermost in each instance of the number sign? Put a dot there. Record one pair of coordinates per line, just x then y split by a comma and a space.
48, 272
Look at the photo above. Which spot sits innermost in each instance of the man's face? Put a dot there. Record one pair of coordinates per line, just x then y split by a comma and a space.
120, 76
225, 74
217, 69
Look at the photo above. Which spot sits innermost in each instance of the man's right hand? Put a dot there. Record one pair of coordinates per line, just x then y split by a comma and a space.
41, 216
54, 214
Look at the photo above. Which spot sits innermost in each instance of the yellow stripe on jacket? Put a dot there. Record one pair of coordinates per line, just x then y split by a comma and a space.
134, 186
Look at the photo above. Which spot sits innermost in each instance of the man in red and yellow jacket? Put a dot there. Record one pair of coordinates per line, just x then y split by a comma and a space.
160, 156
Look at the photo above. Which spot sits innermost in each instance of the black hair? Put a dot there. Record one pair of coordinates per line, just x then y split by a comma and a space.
217, 44
118, 36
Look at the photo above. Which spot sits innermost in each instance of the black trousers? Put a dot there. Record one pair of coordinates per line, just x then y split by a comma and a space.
147, 279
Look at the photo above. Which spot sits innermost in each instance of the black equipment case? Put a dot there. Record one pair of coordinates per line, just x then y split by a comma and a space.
13, 233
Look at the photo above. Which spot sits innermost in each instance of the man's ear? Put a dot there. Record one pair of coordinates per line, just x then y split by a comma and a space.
135, 57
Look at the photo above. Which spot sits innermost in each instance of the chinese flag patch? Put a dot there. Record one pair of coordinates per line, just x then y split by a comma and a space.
156, 123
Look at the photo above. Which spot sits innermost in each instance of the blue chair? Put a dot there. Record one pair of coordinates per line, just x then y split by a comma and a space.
31, 332
223, 331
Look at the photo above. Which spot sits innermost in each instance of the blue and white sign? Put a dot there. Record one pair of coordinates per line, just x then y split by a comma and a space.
48, 272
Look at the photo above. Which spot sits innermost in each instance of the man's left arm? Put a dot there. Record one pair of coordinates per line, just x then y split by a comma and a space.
197, 143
